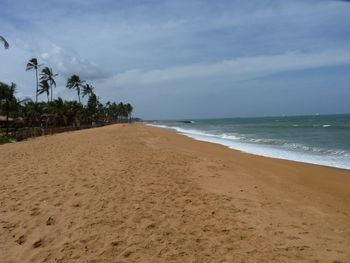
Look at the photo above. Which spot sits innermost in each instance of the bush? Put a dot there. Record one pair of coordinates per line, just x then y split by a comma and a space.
7, 139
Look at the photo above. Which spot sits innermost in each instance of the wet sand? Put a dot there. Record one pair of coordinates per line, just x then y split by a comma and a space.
131, 193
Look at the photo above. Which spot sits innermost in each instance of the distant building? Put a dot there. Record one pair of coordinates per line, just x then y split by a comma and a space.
3, 120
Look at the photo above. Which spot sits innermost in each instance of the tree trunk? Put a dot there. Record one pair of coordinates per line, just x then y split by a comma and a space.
51, 90
37, 86
7, 118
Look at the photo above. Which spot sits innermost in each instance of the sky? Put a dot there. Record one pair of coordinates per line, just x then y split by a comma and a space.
185, 59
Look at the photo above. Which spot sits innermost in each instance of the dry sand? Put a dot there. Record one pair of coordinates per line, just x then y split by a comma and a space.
131, 193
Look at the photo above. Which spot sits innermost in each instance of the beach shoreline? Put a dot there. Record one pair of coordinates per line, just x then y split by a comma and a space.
304, 139
135, 193
170, 129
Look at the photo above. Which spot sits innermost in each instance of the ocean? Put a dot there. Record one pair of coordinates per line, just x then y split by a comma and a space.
319, 139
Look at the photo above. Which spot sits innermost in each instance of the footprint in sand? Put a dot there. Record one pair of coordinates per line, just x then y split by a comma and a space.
50, 221
21, 239
37, 244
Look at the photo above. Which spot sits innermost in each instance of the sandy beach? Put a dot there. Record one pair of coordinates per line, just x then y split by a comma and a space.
132, 193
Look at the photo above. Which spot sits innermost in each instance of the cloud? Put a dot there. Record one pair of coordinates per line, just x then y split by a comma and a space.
238, 68
166, 55
67, 62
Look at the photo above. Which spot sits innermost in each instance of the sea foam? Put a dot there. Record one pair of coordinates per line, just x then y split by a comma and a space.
269, 148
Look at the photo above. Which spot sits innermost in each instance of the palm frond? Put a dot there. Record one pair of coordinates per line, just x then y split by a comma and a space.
3, 40
32, 64
48, 75
25, 100
44, 87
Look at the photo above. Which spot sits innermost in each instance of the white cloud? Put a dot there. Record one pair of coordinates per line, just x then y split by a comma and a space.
67, 62
147, 51
238, 68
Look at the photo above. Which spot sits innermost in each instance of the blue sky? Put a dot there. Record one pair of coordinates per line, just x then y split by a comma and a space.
188, 59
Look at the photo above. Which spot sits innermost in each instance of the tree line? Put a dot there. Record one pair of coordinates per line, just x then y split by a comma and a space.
56, 112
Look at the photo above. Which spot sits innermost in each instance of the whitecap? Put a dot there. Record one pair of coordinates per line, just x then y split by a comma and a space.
293, 152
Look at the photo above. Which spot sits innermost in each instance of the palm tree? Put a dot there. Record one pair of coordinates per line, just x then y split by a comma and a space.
129, 109
3, 40
74, 82
33, 64
87, 90
108, 110
92, 107
44, 88
121, 109
31, 113
56, 109
48, 75
74, 111
7, 100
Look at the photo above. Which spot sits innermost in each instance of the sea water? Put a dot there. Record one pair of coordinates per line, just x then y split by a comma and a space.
319, 139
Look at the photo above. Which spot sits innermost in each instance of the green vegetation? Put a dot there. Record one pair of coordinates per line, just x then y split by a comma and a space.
7, 139
48, 76
74, 82
17, 115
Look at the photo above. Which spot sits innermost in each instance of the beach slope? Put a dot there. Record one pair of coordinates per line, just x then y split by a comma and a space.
132, 193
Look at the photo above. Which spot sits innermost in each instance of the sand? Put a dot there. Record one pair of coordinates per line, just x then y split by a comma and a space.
132, 193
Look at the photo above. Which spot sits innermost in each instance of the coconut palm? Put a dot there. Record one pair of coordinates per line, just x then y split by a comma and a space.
33, 64
122, 112
8, 101
73, 112
31, 113
92, 107
74, 82
3, 40
128, 109
87, 90
48, 75
44, 87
